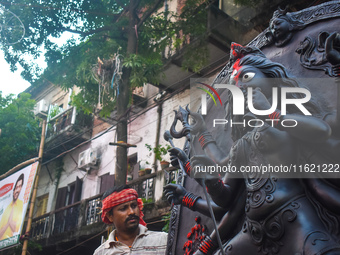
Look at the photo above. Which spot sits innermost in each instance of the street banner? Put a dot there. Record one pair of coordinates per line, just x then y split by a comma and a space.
15, 192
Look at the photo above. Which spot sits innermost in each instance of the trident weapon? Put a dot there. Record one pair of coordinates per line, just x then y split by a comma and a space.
183, 116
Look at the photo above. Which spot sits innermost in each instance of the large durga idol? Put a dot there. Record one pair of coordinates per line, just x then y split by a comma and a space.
294, 209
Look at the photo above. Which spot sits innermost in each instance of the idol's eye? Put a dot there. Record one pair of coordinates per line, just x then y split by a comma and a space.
248, 76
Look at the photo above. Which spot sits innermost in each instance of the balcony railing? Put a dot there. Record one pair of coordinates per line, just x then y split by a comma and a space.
83, 213
67, 120
62, 220
145, 186
93, 214
39, 227
60, 122
67, 130
66, 219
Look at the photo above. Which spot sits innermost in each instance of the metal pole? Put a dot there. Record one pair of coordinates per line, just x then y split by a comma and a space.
207, 197
35, 187
158, 131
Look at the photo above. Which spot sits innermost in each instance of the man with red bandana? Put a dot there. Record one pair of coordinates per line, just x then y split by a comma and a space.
122, 208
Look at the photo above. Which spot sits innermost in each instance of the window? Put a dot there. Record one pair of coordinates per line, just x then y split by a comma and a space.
70, 194
42, 205
74, 191
107, 181
67, 219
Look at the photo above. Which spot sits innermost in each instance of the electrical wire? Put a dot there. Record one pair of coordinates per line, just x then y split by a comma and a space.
129, 121
142, 102
79, 244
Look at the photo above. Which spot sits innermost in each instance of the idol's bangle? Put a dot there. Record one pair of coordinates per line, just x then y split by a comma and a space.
207, 246
187, 167
189, 200
205, 138
276, 117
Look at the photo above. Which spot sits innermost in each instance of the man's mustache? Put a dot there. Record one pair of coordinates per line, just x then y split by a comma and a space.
132, 217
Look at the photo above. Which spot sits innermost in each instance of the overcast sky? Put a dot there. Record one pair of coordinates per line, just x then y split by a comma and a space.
11, 83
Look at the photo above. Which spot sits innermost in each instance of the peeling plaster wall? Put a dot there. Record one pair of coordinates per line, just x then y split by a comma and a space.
91, 178
141, 130
107, 160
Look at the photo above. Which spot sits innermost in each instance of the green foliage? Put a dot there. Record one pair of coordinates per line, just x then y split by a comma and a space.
55, 110
31, 246
201, 56
147, 201
143, 70
103, 28
160, 150
59, 168
166, 219
20, 131
148, 204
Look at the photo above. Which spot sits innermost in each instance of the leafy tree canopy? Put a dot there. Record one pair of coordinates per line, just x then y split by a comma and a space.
20, 132
104, 28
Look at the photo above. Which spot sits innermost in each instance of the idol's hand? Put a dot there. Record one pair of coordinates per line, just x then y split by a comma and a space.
174, 193
201, 166
198, 125
259, 100
333, 55
176, 154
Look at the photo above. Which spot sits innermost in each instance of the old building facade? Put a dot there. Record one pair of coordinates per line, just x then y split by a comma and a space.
79, 154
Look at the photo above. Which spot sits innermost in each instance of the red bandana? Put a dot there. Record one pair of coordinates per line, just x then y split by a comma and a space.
117, 198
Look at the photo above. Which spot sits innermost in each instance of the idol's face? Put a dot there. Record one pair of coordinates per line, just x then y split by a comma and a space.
279, 28
249, 76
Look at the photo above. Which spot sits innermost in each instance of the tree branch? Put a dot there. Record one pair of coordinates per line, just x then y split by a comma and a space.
149, 13
97, 30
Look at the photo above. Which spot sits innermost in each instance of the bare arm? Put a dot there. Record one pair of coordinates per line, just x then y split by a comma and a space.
6, 224
201, 206
305, 128
224, 193
3, 229
12, 223
308, 128
326, 194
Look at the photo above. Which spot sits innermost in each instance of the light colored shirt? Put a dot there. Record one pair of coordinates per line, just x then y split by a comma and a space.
146, 243
16, 209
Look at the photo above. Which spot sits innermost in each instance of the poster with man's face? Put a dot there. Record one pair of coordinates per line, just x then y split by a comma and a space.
15, 191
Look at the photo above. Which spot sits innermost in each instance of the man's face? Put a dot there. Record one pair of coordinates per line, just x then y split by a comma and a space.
17, 190
125, 216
